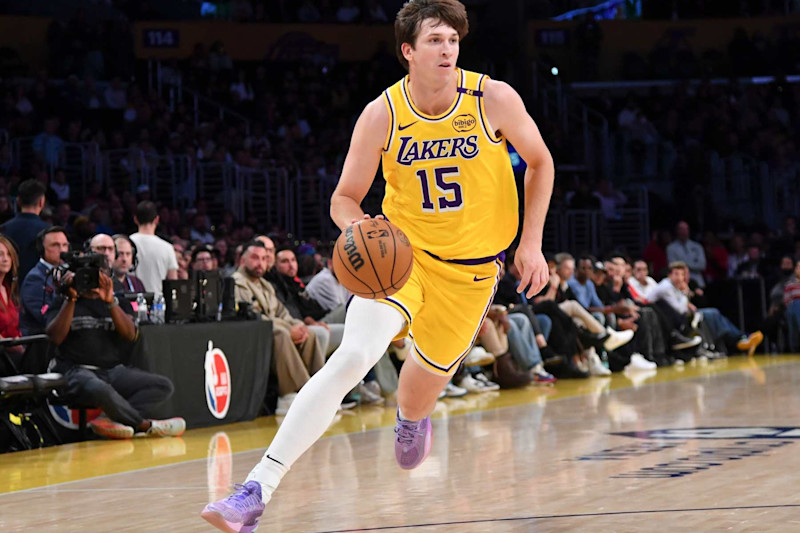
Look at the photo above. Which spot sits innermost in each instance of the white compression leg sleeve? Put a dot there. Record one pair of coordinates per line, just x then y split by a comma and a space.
369, 328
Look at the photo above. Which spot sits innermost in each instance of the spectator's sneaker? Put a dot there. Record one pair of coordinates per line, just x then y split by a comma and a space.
347, 404
596, 367
543, 378
284, 403
473, 385
239, 512
681, 342
638, 362
171, 427
412, 442
452, 391
374, 387
105, 427
367, 397
750, 343
478, 356
616, 339
488, 385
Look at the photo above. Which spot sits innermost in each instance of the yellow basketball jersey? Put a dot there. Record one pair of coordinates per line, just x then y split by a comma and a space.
449, 182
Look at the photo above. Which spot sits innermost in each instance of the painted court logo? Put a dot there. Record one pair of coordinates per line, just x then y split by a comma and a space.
218, 381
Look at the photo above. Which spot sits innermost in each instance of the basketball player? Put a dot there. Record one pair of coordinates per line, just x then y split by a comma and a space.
440, 134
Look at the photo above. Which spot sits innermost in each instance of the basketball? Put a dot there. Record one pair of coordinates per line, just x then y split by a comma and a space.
373, 258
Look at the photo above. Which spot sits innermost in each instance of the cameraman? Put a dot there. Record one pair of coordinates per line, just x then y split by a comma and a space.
93, 331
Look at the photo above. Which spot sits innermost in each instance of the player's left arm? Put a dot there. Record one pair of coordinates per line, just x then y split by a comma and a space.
507, 114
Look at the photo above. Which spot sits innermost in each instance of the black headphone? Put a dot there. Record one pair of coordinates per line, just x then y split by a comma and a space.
133, 248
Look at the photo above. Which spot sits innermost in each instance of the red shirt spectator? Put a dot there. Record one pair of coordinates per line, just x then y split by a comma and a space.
9, 289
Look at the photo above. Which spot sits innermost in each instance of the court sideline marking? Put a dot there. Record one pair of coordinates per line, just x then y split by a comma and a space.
576, 515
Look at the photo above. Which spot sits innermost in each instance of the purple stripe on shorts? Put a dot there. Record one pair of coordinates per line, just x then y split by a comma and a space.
480, 261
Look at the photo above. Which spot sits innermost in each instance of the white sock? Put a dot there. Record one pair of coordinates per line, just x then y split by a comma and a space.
369, 328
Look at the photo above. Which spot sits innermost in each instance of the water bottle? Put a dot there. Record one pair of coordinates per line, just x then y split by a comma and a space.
141, 309
219, 312
157, 313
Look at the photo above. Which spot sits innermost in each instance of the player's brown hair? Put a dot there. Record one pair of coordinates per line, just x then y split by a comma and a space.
409, 20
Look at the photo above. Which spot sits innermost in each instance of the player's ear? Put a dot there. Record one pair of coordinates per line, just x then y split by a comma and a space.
406, 49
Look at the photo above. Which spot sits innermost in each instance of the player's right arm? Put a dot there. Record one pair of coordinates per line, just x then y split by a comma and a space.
361, 163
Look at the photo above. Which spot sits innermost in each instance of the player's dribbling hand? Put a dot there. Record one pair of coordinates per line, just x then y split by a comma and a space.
367, 217
533, 270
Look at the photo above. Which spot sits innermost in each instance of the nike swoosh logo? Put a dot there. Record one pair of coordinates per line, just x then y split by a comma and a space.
481, 279
400, 127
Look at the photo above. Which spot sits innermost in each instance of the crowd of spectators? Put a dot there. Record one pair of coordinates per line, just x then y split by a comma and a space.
594, 316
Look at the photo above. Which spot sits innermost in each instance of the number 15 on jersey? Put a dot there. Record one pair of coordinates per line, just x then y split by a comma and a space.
449, 197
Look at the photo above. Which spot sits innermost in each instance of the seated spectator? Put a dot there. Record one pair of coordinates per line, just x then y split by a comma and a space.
59, 188
23, 228
125, 261
93, 332
38, 288
296, 353
584, 291
689, 252
48, 145
325, 288
791, 299
203, 259
671, 299
753, 267
641, 282
200, 231
291, 292
9, 293
156, 256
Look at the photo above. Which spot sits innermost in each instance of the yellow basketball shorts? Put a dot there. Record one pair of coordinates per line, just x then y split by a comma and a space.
444, 305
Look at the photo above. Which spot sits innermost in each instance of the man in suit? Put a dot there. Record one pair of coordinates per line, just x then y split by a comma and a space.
26, 225
38, 290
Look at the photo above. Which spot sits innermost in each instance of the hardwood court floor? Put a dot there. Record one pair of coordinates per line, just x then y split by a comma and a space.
540, 459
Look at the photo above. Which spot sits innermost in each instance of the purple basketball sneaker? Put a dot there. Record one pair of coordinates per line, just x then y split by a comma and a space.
239, 512
412, 442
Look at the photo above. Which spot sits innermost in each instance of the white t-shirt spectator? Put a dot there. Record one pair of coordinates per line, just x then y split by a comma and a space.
665, 290
326, 289
642, 288
156, 256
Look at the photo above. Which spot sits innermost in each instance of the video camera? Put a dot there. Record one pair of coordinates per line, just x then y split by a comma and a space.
85, 267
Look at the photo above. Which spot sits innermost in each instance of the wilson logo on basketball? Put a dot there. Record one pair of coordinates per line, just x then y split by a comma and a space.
464, 123
351, 249
218, 381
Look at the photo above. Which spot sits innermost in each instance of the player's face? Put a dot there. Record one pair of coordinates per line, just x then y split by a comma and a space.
436, 49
